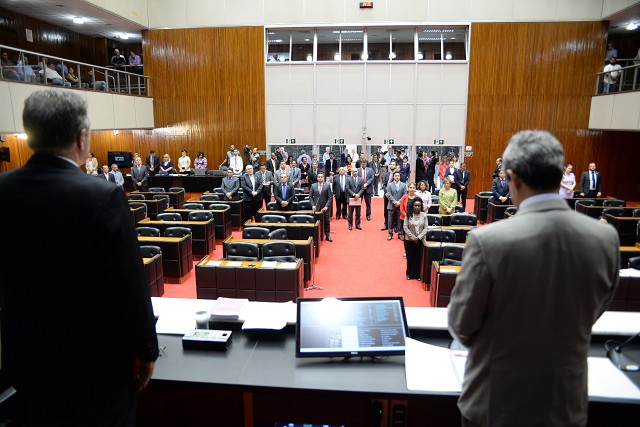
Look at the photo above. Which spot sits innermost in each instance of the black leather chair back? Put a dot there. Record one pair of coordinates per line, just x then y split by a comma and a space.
510, 210
636, 212
218, 206
156, 189
148, 231
279, 251
218, 190
485, 193
634, 263
459, 209
243, 251
301, 219
449, 261
210, 197
149, 251
298, 190
464, 219
434, 219
169, 216
273, 218
136, 205
617, 203
198, 206
255, 233
175, 189
435, 200
613, 211
272, 206
452, 252
305, 205
279, 234
586, 202
134, 196
438, 235
200, 216
164, 197
177, 232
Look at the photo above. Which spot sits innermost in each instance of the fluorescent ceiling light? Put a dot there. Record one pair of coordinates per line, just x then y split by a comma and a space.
124, 36
632, 26
78, 20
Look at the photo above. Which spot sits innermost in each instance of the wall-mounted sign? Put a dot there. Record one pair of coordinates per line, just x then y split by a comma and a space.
468, 148
366, 5
338, 141
389, 141
262, 152
468, 153
290, 141
438, 141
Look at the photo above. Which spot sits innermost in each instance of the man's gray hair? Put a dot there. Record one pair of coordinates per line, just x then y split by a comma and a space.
537, 157
248, 167
53, 119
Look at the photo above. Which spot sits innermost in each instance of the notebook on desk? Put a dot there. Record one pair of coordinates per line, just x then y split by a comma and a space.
200, 172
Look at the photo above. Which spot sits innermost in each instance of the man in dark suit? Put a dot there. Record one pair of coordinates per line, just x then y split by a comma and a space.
375, 167
355, 190
312, 175
322, 199
461, 179
421, 166
251, 193
343, 157
105, 175
450, 171
139, 175
273, 163
386, 180
153, 162
100, 342
284, 193
340, 192
230, 186
431, 171
366, 173
330, 168
590, 184
500, 190
498, 168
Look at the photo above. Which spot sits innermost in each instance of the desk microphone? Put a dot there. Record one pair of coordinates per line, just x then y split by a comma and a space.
618, 358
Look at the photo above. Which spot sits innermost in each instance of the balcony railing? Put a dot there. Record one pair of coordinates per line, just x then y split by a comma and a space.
627, 78
18, 65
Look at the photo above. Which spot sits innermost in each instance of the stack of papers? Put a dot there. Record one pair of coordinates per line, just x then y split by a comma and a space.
228, 308
287, 265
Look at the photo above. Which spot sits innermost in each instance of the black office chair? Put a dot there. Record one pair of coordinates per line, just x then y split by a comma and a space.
148, 231
305, 205
438, 235
164, 197
617, 203
613, 211
169, 216
199, 216
149, 251
243, 251
135, 196
634, 263
255, 233
279, 234
218, 190
459, 209
511, 210
586, 202
273, 218
434, 219
636, 212
449, 261
298, 191
136, 205
301, 219
196, 206
210, 197
485, 193
176, 189
464, 219
177, 232
218, 206
453, 252
272, 206
279, 251
156, 189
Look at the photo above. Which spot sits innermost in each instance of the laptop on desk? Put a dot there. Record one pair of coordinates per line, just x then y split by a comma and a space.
200, 172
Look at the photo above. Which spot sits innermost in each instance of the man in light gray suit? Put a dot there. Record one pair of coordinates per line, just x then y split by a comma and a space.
394, 192
139, 175
322, 199
266, 177
355, 190
528, 295
230, 186
294, 174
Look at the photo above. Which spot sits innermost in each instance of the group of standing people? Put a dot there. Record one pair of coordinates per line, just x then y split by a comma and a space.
112, 175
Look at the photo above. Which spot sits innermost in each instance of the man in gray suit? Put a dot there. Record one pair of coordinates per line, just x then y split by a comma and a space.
230, 186
322, 199
366, 173
394, 192
294, 174
355, 190
528, 295
266, 178
139, 175
251, 193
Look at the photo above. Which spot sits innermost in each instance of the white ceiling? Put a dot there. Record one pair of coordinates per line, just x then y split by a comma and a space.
100, 23
618, 21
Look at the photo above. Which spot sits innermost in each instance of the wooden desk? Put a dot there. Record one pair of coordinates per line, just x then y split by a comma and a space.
628, 252
431, 251
627, 297
221, 219
480, 206
304, 250
235, 205
177, 256
295, 231
627, 227
443, 279
317, 215
154, 206
155, 276
495, 212
250, 280
190, 183
176, 199
202, 233
137, 214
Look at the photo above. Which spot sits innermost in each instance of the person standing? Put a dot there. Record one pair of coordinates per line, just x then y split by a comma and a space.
227, 158
94, 364
393, 193
294, 174
230, 186
184, 162
421, 166
612, 72
200, 162
330, 168
283, 193
340, 193
386, 180
273, 163
312, 175
104, 174
235, 163
590, 183
568, 183
355, 190
447, 198
153, 162
431, 171
91, 165
266, 177
498, 168
117, 60
527, 297
461, 178
366, 173
117, 176
135, 63
322, 199
377, 173
251, 193
415, 227
139, 175
500, 190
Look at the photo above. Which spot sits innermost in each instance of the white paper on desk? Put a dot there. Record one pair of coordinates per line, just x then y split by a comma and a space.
267, 315
269, 264
605, 380
234, 263
286, 265
430, 368
629, 272
177, 316
214, 262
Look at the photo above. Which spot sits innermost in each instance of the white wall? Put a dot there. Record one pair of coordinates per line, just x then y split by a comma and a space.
620, 111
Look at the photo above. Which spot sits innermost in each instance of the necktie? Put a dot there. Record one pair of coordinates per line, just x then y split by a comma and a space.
502, 183
319, 189
593, 181
364, 174
390, 178
284, 191
342, 182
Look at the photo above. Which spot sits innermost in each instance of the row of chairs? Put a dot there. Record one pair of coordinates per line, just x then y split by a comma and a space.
280, 251
614, 203
456, 219
168, 232
295, 218
264, 233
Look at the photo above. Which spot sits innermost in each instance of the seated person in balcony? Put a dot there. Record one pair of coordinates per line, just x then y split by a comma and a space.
166, 167
62, 69
25, 71
9, 70
117, 60
53, 77
135, 63
96, 84
72, 78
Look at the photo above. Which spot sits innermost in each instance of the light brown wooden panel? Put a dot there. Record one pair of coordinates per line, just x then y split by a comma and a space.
542, 76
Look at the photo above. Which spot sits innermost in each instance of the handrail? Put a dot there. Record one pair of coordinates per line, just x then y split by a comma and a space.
124, 78
632, 79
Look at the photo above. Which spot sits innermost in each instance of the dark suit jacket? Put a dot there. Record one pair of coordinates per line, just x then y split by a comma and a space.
431, 167
498, 190
585, 181
156, 162
421, 170
321, 200
331, 166
496, 171
232, 187
247, 189
355, 186
343, 159
461, 178
97, 317
109, 177
290, 195
337, 189
369, 181
313, 176
405, 171
271, 167
139, 176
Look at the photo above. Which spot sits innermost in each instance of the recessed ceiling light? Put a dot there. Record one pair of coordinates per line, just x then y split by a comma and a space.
78, 20
124, 36
632, 26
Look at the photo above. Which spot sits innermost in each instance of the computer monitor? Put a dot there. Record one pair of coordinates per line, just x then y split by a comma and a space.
120, 158
345, 327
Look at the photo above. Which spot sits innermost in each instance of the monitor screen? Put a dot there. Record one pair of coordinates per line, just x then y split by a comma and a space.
120, 158
346, 327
